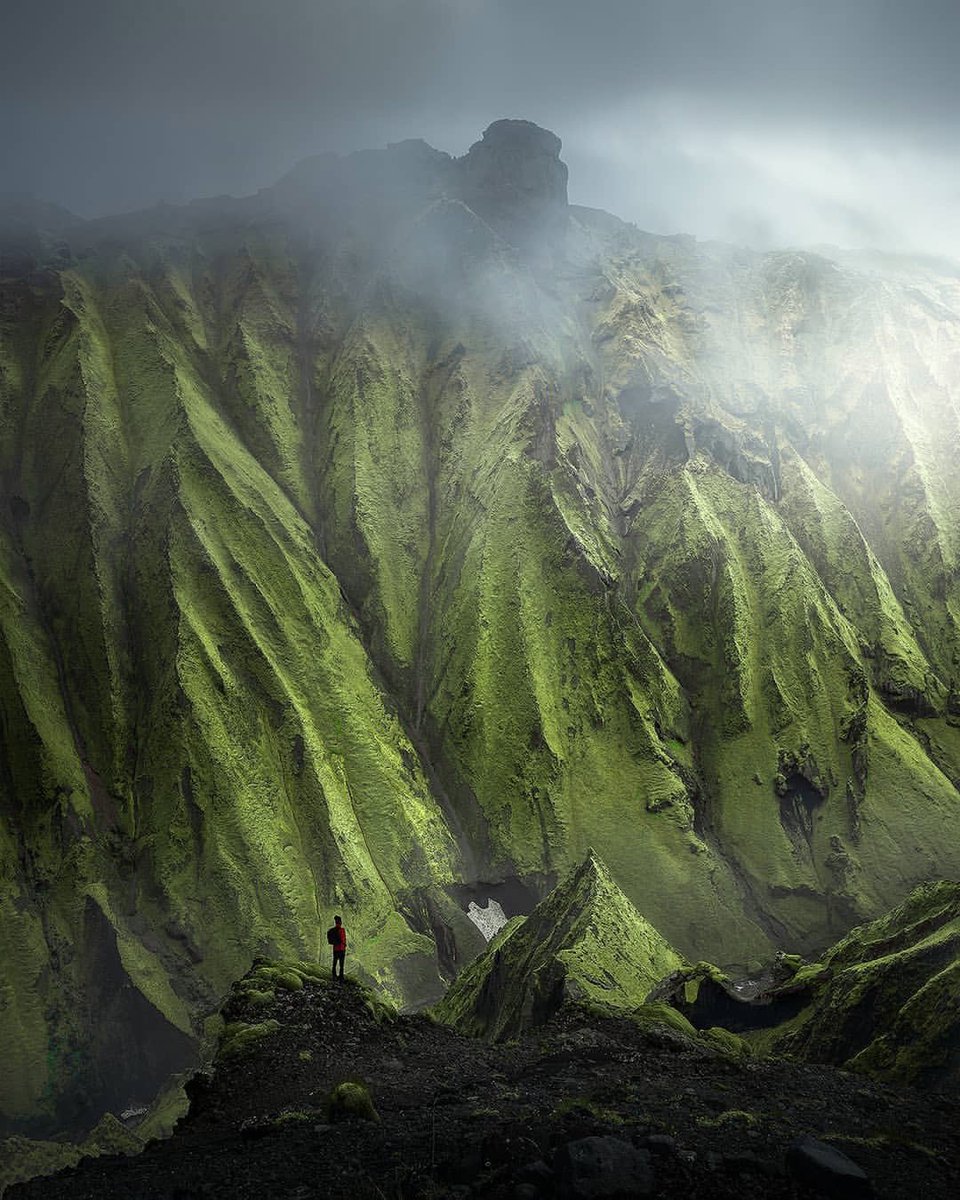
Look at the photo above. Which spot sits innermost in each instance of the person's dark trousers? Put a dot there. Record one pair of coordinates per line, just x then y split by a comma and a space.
338, 957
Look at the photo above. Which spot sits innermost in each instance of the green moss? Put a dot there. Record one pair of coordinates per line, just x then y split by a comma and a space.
293, 1117
884, 1141
808, 974
24, 1158
291, 981
166, 1110
382, 1011
657, 1015
25, 1081
311, 970
687, 981
726, 1042
583, 1106
733, 1116
238, 1037
260, 999
411, 593
882, 999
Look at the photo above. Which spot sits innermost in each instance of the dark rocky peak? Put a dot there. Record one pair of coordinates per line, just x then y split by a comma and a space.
514, 179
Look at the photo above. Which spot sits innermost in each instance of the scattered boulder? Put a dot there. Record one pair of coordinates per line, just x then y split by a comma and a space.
829, 1170
602, 1167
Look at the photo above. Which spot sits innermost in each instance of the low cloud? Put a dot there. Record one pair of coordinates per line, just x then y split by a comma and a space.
761, 121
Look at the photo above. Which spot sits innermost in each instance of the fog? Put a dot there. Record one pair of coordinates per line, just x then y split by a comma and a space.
758, 121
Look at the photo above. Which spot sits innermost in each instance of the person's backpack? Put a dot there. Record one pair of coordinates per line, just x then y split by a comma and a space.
332, 935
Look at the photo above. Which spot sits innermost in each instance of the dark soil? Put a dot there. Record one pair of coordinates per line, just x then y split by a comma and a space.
459, 1117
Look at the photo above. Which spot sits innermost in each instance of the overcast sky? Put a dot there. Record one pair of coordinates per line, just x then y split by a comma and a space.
759, 121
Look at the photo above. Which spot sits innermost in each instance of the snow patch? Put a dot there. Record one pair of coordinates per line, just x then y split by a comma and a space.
488, 920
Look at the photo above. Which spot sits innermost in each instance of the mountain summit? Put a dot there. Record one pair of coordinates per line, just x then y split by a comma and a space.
514, 178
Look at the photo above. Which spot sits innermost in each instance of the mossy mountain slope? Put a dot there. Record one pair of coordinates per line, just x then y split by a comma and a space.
584, 943
402, 525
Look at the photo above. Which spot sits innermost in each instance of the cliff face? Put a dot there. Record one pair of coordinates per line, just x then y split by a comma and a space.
402, 526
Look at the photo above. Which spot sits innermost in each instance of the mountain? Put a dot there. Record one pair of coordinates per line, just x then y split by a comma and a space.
399, 533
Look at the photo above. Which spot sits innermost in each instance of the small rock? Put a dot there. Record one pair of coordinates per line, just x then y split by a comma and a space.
661, 1143
607, 1167
495, 1150
748, 1161
536, 1172
821, 1166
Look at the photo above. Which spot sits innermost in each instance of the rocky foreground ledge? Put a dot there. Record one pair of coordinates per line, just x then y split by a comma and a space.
588, 1105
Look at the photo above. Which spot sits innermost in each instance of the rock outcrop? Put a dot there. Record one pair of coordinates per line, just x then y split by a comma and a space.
585, 943
884, 999
514, 178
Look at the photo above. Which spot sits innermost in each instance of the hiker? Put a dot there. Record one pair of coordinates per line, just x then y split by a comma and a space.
337, 937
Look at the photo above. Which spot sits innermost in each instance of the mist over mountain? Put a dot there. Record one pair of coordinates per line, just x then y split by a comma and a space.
389, 538
764, 122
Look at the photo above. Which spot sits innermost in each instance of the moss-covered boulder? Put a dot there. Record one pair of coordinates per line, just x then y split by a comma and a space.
350, 1101
584, 943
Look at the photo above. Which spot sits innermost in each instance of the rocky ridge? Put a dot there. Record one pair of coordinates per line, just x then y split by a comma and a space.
882, 1001
585, 942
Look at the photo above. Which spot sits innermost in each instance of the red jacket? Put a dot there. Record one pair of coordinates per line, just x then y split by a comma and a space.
340, 938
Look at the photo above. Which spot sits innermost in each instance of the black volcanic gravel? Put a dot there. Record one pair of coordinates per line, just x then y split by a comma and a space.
460, 1117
